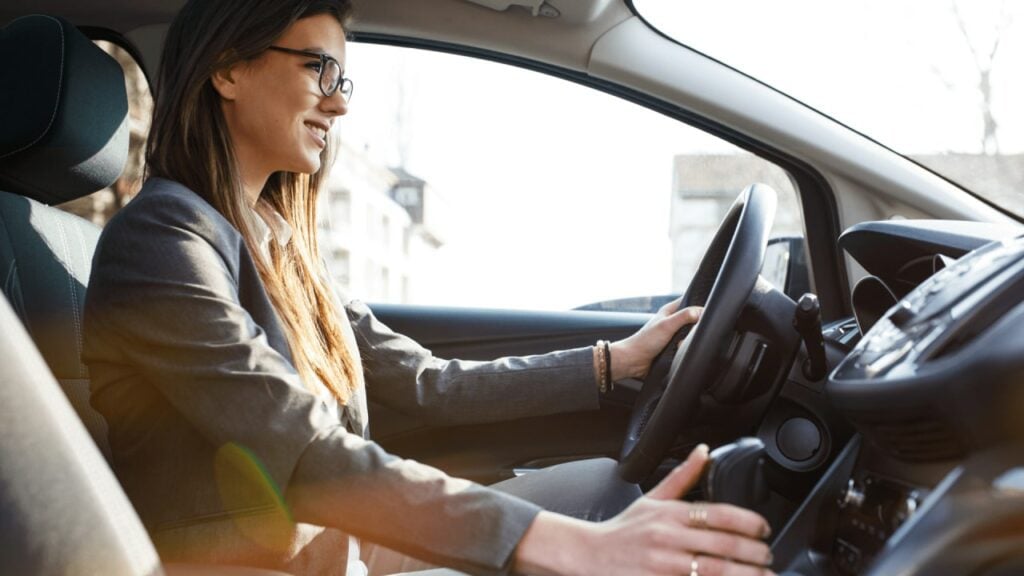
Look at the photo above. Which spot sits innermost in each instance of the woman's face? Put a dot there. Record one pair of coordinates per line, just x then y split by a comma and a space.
277, 116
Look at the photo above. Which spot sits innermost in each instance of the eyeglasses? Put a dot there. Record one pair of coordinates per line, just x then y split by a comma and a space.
331, 79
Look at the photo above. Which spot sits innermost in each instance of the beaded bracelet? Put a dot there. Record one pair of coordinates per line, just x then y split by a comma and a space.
608, 366
604, 366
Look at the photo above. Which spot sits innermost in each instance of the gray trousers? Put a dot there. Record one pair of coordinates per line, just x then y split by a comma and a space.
587, 489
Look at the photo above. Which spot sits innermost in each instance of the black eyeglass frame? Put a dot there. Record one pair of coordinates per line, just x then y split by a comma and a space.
344, 83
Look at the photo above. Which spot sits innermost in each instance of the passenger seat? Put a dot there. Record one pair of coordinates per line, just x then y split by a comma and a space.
61, 509
63, 134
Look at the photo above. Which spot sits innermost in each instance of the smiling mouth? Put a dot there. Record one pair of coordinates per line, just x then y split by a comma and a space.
318, 131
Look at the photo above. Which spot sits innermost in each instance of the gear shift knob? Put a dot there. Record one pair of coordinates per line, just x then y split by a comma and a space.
736, 474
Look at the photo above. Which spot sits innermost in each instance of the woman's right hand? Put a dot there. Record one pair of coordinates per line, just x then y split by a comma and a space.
656, 535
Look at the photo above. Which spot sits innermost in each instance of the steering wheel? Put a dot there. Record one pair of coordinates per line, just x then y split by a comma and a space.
722, 284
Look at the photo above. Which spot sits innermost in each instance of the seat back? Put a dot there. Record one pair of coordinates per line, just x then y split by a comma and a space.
63, 134
61, 509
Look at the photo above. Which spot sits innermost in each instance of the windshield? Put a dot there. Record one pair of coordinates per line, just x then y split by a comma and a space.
939, 81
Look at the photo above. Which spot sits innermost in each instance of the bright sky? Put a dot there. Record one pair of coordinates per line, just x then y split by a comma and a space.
559, 200
901, 71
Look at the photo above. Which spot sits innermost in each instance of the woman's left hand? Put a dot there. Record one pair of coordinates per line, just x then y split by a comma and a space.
632, 356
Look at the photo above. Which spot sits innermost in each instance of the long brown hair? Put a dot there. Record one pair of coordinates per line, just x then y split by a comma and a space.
189, 143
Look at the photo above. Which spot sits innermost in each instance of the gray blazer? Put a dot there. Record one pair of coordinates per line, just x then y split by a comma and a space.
228, 457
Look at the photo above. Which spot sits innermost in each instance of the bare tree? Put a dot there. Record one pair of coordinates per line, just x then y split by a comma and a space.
983, 63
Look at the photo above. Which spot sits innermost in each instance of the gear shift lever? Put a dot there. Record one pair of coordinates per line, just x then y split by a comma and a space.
736, 474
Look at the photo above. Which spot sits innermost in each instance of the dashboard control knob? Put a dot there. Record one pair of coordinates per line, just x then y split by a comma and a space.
852, 496
798, 439
901, 314
906, 508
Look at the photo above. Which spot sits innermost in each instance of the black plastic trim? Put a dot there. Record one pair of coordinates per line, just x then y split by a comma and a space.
473, 332
820, 214
886, 248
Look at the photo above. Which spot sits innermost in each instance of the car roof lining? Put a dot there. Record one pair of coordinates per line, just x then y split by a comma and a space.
117, 15
579, 24
564, 41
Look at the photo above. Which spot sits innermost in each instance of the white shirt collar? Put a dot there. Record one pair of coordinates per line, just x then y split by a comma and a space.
271, 225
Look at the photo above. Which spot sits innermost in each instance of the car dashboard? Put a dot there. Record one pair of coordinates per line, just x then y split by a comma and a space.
929, 374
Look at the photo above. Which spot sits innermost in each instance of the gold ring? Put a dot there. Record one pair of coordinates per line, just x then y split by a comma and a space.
698, 515
694, 566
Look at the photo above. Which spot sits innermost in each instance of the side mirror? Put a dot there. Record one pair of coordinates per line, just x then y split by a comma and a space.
785, 266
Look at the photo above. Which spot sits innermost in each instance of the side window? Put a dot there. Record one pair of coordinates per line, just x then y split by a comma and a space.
100, 206
704, 186
519, 190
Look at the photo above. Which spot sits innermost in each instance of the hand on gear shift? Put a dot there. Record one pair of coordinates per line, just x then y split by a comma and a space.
736, 474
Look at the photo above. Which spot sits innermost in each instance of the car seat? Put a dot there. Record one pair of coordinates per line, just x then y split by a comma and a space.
63, 134
61, 509
63, 113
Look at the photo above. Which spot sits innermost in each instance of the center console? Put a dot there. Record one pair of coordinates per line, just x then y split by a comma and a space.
871, 515
871, 509
932, 482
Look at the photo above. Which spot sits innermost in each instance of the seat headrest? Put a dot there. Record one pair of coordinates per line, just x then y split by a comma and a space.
63, 112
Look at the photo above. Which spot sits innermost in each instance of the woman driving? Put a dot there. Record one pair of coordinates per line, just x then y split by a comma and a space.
234, 381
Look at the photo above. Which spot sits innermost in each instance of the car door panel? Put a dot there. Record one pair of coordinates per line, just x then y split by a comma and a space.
492, 452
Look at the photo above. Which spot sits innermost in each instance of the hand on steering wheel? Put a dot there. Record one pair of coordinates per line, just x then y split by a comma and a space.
632, 356
722, 285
